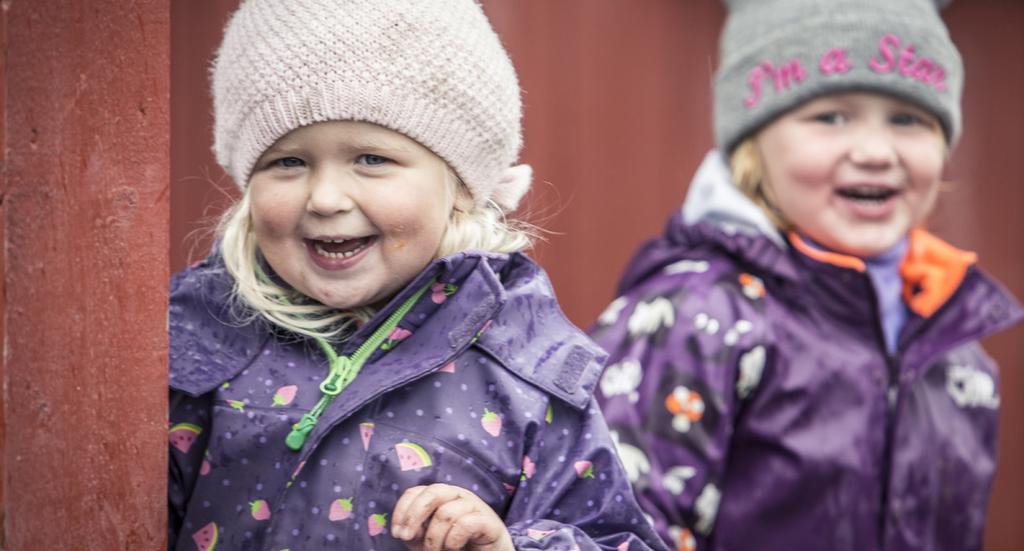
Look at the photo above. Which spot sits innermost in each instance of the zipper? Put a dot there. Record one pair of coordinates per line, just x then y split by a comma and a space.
892, 400
914, 328
892, 396
344, 369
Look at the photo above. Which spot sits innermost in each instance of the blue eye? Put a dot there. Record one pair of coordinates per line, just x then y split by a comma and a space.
288, 162
906, 119
830, 117
372, 160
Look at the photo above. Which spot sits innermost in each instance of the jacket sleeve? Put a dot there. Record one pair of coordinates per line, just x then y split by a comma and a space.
685, 354
573, 492
189, 434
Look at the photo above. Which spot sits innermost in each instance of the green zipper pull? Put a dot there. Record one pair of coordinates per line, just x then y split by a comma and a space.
343, 369
300, 431
332, 385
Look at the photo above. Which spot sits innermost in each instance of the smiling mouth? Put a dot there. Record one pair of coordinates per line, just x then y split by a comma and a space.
867, 194
341, 248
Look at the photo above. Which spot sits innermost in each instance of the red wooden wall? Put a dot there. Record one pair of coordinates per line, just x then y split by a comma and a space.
84, 199
983, 212
617, 107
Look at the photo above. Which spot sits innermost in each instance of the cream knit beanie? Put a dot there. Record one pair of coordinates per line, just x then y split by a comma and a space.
433, 70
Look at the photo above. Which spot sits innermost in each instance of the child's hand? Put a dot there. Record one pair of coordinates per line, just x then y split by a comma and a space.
442, 517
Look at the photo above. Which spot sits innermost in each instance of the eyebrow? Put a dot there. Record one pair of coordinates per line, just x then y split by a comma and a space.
369, 143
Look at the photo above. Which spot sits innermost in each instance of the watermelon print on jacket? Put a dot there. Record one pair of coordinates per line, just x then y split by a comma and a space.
756, 406
488, 389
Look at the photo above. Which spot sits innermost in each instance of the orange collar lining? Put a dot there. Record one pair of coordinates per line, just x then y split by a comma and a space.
931, 271
827, 257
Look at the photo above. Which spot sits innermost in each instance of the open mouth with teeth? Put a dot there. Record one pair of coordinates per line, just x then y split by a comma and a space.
867, 194
340, 248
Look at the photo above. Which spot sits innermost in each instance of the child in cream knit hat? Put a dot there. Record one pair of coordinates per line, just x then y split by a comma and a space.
795, 363
367, 360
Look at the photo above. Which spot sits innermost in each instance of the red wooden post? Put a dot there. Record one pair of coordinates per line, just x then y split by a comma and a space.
85, 204
3, 269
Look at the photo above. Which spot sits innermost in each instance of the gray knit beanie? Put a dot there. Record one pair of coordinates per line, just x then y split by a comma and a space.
778, 54
433, 70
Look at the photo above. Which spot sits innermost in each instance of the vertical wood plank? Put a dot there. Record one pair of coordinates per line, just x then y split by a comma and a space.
86, 218
3, 271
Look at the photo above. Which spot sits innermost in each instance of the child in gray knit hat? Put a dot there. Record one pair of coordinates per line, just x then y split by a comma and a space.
367, 360
795, 363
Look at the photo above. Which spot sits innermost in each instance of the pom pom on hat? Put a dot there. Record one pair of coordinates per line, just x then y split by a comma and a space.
512, 186
433, 70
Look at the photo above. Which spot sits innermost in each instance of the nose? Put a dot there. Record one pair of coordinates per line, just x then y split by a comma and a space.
872, 148
330, 192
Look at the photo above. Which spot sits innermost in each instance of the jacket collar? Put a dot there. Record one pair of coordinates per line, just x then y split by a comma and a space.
208, 346
459, 319
932, 270
505, 306
532, 338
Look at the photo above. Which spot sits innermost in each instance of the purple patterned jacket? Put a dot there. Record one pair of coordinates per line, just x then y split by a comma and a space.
756, 406
489, 389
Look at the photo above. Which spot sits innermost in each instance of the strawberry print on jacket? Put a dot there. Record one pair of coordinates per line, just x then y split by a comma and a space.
488, 388
755, 405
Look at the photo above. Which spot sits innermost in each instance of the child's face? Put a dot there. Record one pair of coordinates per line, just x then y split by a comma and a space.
854, 172
349, 212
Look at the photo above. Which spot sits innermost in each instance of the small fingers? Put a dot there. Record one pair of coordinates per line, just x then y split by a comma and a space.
400, 515
416, 506
482, 529
446, 517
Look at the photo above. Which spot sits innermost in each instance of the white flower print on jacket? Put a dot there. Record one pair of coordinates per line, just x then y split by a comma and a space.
971, 387
649, 317
622, 378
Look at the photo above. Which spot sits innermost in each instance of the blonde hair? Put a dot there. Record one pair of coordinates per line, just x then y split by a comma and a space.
470, 227
748, 175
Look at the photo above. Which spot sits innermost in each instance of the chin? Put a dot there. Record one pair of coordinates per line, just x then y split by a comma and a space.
865, 250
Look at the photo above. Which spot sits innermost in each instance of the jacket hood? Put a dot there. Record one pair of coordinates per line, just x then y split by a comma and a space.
713, 198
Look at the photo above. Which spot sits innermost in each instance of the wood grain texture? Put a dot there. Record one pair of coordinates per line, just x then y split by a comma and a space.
86, 226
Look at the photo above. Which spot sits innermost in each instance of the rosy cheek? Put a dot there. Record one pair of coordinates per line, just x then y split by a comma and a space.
807, 174
929, 171
266, 225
